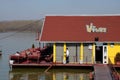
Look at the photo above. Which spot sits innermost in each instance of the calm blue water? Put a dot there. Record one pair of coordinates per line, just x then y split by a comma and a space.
13, 42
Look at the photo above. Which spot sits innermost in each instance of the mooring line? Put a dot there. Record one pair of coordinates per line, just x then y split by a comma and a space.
48, 68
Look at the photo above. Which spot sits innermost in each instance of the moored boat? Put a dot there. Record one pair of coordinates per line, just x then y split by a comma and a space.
32, 56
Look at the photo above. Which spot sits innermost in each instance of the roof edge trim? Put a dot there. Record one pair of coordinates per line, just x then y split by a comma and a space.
79, 42
42, 29
82, 15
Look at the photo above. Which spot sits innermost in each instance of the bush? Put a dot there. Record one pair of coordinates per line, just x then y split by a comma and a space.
117, 57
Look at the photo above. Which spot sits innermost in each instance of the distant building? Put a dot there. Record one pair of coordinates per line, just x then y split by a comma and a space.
90, 39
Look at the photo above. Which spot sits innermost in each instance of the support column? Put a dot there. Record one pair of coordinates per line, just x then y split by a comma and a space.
93, 54
81, 53
64, 54
54, 53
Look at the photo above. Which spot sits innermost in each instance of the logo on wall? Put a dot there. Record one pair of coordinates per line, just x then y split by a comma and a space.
91, 28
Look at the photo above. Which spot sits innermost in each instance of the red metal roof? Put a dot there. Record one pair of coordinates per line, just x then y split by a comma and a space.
73, 28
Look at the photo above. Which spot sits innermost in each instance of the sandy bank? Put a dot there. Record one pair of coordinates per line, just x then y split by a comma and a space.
22, 25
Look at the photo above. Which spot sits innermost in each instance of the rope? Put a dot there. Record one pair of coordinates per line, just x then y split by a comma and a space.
48, 68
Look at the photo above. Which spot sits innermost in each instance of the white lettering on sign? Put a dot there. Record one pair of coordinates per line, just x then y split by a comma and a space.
92, 28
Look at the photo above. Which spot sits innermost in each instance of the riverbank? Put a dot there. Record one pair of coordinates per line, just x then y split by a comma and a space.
21, 25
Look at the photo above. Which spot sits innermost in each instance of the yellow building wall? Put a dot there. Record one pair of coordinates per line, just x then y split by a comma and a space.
112, 51
64, 54
54, 52
93, 53
81, 53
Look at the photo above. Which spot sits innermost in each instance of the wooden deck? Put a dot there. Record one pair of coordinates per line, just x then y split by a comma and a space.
102, 72
53, 65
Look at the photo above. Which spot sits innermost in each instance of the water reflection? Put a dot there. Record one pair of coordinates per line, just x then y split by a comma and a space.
52, 75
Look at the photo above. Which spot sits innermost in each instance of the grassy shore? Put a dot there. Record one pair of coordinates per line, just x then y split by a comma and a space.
22, 25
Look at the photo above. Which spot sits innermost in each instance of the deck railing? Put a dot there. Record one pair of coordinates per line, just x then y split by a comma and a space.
72, 59
115, 75
75, 59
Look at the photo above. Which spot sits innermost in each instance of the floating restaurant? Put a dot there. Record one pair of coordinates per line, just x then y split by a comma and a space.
90, 39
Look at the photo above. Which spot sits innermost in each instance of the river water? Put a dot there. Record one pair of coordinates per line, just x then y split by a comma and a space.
10, 42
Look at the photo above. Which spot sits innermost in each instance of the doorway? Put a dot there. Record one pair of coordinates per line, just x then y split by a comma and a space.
99, 54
